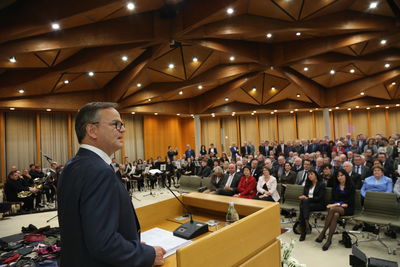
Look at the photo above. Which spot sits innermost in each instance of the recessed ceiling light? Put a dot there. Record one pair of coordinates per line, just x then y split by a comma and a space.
133, 112
230, 11
383, 42
349, 109
200, 87
332, 72
254, 89
298, 95
275, 110
149, 100
377, 106
155, 113
66, 82
231, 58
357, 106
12, 59
213, 114
291, 111
171, 66
269, 35
397, 105
252, 114
352, 70
124, 58
130, 6
91, 73
272, 112
48, 109
226, 98
305, 69
139, 85
55, 26
387, 107
195, 59
310, 110
362, 93
181, 92
330, 109
296, 109
368, 108
21, 91
178, 114
254, 111
298, 33
393, 83
273, 88
12, 108
316, 108
337, 107
373, 5
387, 65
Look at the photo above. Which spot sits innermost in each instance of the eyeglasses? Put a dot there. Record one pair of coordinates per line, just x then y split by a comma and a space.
117, 124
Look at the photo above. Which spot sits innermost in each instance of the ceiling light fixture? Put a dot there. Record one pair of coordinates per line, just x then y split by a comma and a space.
178, 114
275, 110
362, 93
387, 107
231, 58
305, 69
357, 106
269, 35
171, 66
296, 109
55, 26
273, 88
373, 5
124, 58
230, 11
377, 106
330, 109
397, 105
91, 73
332, 72
200, 87
298, 95
149, 100
12, 59
226, 99
48, 110
181, 92
254, 89
213, 114
12, 108
291, 111
66, 82
383, 42
393, 83
130, 6
272, 112
155, 113
352, 70
349, 109
336, 107
298, 33
133, 112
310, 110
139, 85
387, 65
21, 91
368, 108
195, 59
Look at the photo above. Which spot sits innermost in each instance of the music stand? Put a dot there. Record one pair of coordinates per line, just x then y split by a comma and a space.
146, 172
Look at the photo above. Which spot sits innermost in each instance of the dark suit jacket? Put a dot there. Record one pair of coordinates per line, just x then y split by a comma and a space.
215, 151
243, 150
318, 195
204, 171
98, 223
356, 179
288, 179
234, 152
235, 181
257, 173
285, 151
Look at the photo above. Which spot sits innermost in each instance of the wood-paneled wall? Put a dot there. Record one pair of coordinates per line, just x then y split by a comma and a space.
163, 131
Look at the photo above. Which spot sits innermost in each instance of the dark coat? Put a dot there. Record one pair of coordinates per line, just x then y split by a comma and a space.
98, 223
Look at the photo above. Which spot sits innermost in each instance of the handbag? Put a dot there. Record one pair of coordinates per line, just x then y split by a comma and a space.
346, 240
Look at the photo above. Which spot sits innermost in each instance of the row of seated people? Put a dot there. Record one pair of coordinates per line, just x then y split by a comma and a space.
30, 186
241, 183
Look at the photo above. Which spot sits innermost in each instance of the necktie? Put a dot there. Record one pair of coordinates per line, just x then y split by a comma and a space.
304, 177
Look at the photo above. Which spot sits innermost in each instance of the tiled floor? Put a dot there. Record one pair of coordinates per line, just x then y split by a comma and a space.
308, 252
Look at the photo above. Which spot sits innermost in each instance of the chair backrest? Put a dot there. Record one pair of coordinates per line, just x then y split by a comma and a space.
328, 195
357, 201
382, 204
292, 193
206, 182
189, 183
279, 188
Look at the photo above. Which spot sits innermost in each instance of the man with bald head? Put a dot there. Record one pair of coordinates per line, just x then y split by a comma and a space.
230, 181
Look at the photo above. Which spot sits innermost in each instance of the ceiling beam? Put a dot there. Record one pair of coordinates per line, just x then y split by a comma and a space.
351, 90
206, 100
168, 107
118, 86
103, 33
311, 89
287, 104
163, 91
19, 21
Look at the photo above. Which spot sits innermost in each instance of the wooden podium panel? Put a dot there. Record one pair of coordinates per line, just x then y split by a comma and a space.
249, 242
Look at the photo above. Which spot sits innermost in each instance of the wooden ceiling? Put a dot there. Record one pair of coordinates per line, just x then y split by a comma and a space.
266, 55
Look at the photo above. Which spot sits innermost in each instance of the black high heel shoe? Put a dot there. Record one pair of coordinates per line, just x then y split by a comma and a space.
319, 239
326, 246
302, 236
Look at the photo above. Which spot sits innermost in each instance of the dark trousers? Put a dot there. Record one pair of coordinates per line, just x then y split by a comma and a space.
225, 192
306, 207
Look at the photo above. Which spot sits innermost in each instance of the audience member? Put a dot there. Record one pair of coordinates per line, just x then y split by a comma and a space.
247, 185
266, 187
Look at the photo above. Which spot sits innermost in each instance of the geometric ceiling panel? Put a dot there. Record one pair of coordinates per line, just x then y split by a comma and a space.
48, 56
378, 91
269, 9
293, 9
241, 96
66, 53
311, 7
363, 6
163, 64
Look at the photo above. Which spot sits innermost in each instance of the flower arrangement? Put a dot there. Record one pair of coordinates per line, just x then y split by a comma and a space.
286, 253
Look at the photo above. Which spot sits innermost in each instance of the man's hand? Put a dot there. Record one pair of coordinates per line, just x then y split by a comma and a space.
227, 188
159, 259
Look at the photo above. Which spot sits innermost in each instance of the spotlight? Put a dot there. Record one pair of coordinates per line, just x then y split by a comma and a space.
305, 69
332, 72
269, 35
195, 59
231, 58
298, 95
55, 26
66, 82
200, 87
181, 92
48, 110
171, 66
21, 91
139, 85
373, 5
298, 33
91, 73
155, 113
387, 65
133, 112
226, 99
130, 6
12, 59
383, 42
12, 108
352, 70
124, 58
230, 11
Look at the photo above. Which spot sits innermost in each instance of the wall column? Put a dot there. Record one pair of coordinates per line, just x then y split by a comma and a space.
197, 133
327, 122
3, 147
38, 141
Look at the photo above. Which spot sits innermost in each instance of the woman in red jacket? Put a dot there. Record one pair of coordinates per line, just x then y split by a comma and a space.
247, 185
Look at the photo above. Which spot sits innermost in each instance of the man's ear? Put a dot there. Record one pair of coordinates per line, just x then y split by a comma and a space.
91, 131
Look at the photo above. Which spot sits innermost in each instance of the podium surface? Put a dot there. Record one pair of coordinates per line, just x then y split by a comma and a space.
251, 241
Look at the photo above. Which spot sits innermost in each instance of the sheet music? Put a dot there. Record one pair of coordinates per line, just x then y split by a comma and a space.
164, 239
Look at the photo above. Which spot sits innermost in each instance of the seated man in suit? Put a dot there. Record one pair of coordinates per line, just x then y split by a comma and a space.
255, 170
387, 164
205, 170
230, 182
302, 175
354, 177
14, 185
98, 223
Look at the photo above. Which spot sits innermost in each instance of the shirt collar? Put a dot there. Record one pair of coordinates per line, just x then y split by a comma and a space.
98, 151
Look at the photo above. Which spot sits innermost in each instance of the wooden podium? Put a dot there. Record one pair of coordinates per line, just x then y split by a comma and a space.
252, 241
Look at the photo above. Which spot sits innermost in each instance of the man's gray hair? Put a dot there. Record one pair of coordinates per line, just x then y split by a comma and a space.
89, 114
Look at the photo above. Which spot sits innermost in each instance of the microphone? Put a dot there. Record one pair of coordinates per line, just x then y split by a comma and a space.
47, 157
191, 229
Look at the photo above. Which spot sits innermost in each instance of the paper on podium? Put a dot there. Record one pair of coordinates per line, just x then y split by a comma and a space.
164, 239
